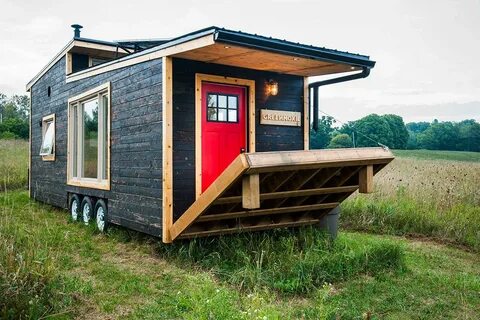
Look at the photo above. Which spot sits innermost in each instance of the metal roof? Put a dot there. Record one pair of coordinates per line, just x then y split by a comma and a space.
226, 36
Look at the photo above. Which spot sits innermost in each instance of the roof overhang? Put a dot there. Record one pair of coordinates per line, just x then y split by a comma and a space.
226, 47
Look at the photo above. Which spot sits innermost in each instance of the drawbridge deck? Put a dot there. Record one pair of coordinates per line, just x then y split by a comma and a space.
280, 189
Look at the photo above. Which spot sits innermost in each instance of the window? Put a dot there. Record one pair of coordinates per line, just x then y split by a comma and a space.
95, 61
47, 150
89, 136
222, 107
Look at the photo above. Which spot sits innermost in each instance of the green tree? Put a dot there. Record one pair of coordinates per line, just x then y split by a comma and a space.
417, 127
468, 136
371, 129
321, 138
341, 140
398, 130
14, 114
439, 136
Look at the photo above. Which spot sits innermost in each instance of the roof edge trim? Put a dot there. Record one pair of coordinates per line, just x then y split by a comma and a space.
286, 47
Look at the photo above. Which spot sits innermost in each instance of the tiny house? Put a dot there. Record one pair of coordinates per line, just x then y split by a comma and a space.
203, 134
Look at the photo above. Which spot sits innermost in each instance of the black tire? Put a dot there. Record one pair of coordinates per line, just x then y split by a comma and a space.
75, 202
101, 213
86, 210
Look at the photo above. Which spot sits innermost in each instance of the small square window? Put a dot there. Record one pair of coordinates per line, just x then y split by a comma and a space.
232, 115
212, 114
47, 150
222, 107
222, 101
222, 114
232, 102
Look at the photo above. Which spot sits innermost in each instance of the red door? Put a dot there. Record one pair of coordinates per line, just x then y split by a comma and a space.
223, 128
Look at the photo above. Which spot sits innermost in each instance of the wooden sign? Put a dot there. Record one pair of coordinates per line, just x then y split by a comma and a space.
280, 118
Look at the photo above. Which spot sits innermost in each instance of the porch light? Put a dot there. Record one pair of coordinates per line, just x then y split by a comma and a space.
272, 87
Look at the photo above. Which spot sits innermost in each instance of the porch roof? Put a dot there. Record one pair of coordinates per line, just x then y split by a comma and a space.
236, 48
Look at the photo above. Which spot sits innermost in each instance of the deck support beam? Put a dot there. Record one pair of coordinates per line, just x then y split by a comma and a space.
251, 191
366, 179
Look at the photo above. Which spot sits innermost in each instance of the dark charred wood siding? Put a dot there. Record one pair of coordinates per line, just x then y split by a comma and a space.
135, 198
268, 138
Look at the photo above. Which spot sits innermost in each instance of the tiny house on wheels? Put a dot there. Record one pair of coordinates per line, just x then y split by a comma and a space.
203, 134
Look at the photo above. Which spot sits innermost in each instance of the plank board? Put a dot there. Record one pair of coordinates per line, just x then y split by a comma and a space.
297, 187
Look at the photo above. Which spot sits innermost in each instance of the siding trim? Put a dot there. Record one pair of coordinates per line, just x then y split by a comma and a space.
306, 115
167, 149
30, 147
199, 78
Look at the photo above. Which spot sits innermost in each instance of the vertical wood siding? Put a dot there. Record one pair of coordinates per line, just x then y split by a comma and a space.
135, 198
268, 138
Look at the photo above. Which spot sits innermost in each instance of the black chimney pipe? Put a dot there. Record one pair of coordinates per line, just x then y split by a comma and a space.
76, 30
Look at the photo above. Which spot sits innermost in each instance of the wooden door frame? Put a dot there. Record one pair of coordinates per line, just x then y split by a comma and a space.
250, 85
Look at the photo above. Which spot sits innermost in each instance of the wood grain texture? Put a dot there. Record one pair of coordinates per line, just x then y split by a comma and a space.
251, 191
366, 179
167, 149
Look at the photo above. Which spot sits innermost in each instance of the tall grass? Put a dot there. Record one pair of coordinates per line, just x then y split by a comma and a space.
437, 198
13, 164
290, 261
29, 282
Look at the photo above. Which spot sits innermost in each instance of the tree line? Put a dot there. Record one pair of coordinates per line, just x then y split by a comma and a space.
14, 112
390, 130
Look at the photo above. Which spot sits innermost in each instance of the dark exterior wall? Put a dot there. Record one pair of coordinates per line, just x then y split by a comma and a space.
268, 138
135, 198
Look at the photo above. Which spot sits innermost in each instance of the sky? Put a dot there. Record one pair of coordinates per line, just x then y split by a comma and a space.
426, 51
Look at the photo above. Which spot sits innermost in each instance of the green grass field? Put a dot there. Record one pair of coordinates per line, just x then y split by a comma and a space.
13, 164
52, 268
434, 198
439, 155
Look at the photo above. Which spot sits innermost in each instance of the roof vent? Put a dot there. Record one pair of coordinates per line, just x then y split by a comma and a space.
76, 30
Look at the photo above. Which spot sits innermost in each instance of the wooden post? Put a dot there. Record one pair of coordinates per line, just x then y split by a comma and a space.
167, 114
365, 179
251, 191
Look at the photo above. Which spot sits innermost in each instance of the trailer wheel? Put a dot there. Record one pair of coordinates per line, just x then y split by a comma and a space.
74, 207
101, 215
87, 210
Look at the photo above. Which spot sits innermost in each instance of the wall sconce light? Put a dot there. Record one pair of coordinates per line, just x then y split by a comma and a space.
272, 87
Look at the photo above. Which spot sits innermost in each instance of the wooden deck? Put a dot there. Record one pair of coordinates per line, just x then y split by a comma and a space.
280, 189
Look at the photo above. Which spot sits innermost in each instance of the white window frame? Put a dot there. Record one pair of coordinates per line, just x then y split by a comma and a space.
77, 159
45, 121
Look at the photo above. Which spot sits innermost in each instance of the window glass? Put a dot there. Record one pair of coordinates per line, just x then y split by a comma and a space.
232, 115
212, 114
222, 108
48, 139
212, 101
90, 139
74, 112
222, 114
105, 136
222, 101
232, 102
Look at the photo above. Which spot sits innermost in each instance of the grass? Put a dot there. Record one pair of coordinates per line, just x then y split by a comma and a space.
56, 269
434, 198
13, 164
289, 261
68, 270
439, 155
